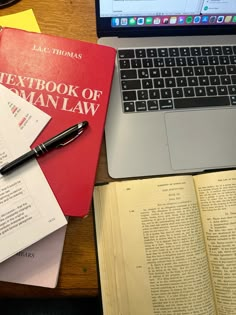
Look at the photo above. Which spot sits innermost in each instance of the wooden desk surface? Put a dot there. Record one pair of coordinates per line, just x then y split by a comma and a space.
78, 274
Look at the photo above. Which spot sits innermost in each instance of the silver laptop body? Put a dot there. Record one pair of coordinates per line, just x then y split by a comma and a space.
168, 140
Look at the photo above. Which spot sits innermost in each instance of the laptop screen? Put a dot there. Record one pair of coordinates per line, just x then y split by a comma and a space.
118, 15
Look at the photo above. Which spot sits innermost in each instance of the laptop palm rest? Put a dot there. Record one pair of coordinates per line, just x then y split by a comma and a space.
202, 139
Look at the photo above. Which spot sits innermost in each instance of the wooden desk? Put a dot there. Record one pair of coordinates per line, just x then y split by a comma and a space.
78, 275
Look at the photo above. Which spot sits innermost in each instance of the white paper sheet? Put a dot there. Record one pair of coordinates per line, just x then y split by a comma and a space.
28, 208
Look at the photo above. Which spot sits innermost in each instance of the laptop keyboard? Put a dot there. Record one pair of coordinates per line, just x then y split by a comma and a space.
155, 79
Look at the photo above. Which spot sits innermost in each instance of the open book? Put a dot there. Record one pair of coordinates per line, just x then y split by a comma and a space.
168, 245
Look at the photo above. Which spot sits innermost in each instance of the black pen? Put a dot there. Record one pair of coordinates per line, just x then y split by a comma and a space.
57, 141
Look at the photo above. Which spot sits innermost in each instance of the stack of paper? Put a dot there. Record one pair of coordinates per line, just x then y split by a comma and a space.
24, 217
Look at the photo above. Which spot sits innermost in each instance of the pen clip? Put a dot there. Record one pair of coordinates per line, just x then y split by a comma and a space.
69, 141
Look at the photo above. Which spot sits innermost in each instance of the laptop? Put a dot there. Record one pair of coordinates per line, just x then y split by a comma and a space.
173, 100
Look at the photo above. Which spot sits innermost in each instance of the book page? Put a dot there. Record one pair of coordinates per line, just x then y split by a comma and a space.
110, 253
217, 196
26, 216
165, 261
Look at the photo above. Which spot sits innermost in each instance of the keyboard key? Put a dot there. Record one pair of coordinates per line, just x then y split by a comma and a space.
129, 107
130, 84
154, 72
170, 82
192, 81
233, 79
141, 106
158, 83
224, 60
151, 52
188, 92
233, 100
225, 79
181, 82
166, 104
147, 63
142, 95
177, 92
154, 94
214, 80
200, 91
143, 73
199, 70
173, 52
211, 90
232, 89
129, 96
217, 50
188, 71
213, 60
170, 62
181, 62
184, 51
204, 80
192, 61
220, 70
231, 69
159, 62
162, 52
128, 74
177, 72
195, 51
210, 70
152, 105
136, 63
124, 64
126, 53
166, 93
140, 53
206, 51
227, 50
147, 83
180, 103
222, 90
165, 72
232, 60
203, 61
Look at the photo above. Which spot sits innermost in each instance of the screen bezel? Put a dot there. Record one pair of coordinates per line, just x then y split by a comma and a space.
104, 29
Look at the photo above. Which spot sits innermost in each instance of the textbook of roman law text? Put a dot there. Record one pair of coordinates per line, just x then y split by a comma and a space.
69, 80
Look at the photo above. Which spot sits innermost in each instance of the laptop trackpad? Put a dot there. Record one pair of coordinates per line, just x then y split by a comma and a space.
202, 139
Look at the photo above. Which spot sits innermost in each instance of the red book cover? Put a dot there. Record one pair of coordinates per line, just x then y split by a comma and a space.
70, 80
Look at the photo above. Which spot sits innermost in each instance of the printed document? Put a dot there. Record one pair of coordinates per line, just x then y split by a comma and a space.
30, 119
26, 216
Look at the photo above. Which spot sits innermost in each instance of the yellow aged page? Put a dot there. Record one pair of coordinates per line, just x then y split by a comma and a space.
110, 253
217, 195
166, 266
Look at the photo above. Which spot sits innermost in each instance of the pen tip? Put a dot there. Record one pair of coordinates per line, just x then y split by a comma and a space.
84, 123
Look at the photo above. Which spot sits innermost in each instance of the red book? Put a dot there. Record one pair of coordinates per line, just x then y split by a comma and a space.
70, 80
